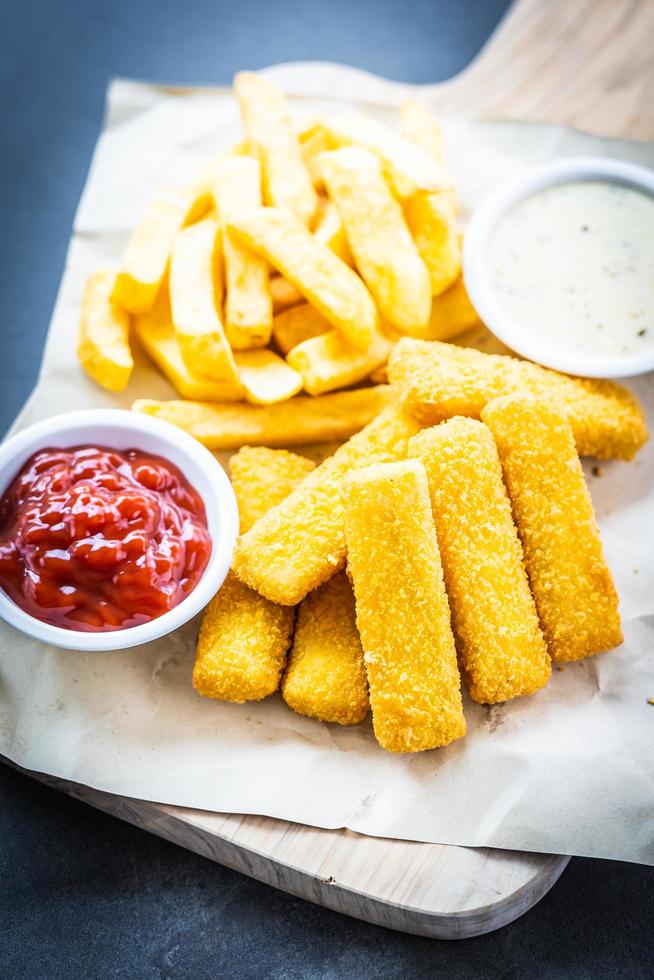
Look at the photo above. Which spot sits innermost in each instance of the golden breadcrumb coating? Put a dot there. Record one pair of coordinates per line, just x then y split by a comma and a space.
440, 380
244, 638
575, 596
325, 677
402, 611
300, 543
262, 478
502, 652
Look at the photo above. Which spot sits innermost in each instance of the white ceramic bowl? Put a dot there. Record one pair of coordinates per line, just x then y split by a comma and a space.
120, 429
476, 267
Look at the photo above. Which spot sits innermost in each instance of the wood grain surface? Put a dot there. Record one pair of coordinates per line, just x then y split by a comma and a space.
582, 63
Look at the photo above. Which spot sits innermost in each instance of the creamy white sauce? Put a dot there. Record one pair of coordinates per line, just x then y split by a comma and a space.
573, 266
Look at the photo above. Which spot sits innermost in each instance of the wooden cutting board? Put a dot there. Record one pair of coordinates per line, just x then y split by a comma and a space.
583, 63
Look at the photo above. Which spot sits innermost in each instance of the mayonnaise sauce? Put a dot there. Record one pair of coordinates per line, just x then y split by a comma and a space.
573, 265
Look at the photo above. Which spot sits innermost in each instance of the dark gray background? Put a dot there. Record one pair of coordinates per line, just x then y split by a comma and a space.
82, 894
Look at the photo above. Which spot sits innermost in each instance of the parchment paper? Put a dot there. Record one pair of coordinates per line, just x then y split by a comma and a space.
570, 770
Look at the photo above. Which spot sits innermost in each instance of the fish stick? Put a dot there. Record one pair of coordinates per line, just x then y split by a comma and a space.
325, 677
301, 543
244, 638
439, 380
103, 345
329, 361
324, 280
156, 333
248, 303
575, 596
502, 652
262, 478
401, 608
286, 180
148, 250
298, 324
381, 244
323, 418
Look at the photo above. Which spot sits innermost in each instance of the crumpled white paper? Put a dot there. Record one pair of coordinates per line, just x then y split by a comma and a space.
570, 770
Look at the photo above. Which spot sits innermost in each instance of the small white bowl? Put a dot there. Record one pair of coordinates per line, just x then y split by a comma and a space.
476, 267
120, 429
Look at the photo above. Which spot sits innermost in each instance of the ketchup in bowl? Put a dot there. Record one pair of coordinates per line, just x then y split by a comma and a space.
94, 539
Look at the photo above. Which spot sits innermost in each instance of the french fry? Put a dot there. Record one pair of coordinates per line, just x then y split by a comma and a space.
325, 677
262, 478
502, 652
383, 249
432, 224
301, 420
408, 168
201, 186
314, 141
272, 138
452, 314
148, 250
297, 324
420, 127
325, 281
331, 232
244, 638
401, 607
575, 596
439, 380
328, 361
300, 544
156, 333
195, 292
248, 303
103, 346
284, 294
266, 377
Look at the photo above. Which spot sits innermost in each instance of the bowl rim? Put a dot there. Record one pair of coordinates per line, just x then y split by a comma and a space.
476, 274
221, 510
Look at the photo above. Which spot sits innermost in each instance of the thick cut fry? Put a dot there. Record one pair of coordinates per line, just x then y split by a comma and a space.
298, 324
103, 345
200, 187
383, 249
266, 377
502, 652
156, 333
452, 314
148, 250
325, 677
314, 141
300, 544
322, 278
575, 596
329, 361
262, 478
331, 232
420, 127
195, 292
407, 167
432, 224
248, 303
272, 138
244, 638
284, 294
401, 608
295, 422
438, 381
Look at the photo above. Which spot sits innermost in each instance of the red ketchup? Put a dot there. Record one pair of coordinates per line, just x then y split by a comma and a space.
94, 539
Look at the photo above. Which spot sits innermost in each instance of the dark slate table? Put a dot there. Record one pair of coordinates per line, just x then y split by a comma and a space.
82, 894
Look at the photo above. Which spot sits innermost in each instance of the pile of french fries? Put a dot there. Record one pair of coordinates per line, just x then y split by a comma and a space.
447, 533
289, 267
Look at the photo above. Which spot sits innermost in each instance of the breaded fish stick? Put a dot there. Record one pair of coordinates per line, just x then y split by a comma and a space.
325, 677
300, 420
244, 638
300, 544
438, 381
502, 652
262, 478
401, 606
575, 596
